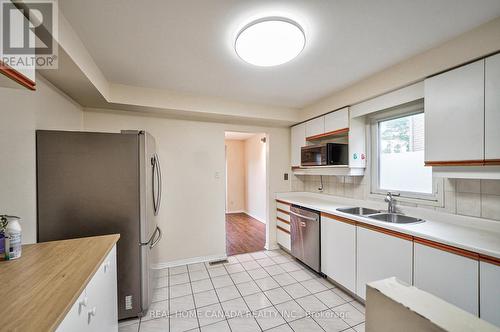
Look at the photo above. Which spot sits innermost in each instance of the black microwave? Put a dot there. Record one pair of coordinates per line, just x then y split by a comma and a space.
324, 154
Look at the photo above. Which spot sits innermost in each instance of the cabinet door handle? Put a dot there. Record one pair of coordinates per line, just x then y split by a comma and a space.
91, 312
84, 302
107, 266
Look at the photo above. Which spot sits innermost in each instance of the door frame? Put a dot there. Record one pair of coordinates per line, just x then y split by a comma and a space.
267, 244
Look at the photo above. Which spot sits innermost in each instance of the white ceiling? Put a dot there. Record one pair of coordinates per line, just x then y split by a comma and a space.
238, 136
186, 45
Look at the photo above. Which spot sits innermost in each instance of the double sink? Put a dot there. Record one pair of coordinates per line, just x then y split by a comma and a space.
395, 218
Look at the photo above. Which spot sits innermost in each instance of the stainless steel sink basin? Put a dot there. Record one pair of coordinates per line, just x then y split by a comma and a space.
395, 218
359, 211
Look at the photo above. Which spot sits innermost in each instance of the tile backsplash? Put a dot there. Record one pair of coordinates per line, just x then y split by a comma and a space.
477, 198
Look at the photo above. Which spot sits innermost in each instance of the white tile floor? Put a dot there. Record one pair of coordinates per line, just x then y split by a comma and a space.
261, 291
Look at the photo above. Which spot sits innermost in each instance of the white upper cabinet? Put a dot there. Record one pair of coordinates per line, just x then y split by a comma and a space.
15, 71
337, 120
454, 115
490, 292
298, 140
338, 251
449, 276
315, 126
381, 256
492, 108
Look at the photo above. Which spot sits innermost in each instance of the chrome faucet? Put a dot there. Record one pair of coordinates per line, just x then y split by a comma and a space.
391, 208
320, 183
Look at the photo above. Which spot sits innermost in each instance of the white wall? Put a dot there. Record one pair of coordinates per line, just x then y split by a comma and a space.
193, 165
235, 176
21, 113
255, 177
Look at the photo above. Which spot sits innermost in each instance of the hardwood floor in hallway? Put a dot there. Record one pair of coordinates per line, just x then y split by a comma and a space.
244, 234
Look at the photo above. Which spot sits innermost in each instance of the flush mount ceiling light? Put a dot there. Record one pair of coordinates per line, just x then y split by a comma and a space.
270, 41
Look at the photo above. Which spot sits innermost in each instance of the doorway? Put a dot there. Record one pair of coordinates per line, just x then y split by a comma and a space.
246, 192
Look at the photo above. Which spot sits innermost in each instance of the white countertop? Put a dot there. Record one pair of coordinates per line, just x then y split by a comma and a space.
474, 234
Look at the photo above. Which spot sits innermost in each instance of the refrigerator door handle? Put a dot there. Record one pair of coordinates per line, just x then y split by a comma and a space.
157, 239
158, 172
156, 188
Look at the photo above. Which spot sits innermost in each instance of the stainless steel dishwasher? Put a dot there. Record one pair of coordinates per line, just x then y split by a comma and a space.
305, 236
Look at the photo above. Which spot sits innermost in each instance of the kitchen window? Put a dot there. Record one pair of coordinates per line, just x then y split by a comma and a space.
398, 154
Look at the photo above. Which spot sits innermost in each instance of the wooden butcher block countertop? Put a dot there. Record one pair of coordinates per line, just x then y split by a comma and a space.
38, 289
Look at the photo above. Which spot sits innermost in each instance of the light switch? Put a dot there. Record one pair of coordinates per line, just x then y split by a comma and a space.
217, 175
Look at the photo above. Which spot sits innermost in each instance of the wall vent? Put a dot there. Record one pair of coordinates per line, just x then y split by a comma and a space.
128, 302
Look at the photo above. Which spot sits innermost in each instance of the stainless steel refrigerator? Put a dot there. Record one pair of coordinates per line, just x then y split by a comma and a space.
103, 183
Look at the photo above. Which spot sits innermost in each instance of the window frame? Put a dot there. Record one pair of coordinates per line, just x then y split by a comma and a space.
416, 107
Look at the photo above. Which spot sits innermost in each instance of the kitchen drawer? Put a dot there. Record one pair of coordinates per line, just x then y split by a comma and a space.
283, 225
283, 206
283, 238
283, 216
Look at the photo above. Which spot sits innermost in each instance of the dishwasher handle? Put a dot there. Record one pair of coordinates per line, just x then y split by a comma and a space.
303, 217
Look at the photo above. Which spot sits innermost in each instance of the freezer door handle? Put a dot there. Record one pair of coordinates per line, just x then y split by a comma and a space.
154, 239
157, 239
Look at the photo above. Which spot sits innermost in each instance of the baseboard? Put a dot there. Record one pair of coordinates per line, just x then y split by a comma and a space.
193, 260
238, 211
255, 217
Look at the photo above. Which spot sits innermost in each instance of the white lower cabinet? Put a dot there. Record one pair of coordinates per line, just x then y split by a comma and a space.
96, 309
452, 277
381, 256
338, 251
490, 292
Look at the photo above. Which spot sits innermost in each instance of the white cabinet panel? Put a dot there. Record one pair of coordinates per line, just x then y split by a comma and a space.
492, 107
298, 140
102, 295
97, 307
338, 252
490, 292
381, 256
76, 318
315, 126
454, 114
337, 120
283, 239
451, 277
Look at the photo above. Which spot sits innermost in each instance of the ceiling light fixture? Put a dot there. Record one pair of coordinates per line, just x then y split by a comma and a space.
270, 41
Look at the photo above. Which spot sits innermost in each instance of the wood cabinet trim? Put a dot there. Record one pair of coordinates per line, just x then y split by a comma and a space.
386, 231
283, 202
328, 134
489, 259
283, 230
283, 211
492, 162
283, 220
448, 248
455, 163
16, 76
339, 218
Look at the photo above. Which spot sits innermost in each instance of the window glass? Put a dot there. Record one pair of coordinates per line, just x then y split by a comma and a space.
401, 155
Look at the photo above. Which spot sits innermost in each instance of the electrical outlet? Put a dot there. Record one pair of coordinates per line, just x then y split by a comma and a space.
285, 177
